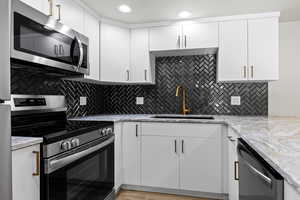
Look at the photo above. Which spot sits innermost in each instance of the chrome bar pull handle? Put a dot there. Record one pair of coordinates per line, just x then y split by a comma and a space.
185, 42
146, 74
59, 14
175, 142
236, 172
136, 130
182, 146
245, 71
178, 41
252, 71
38, 166
128, 75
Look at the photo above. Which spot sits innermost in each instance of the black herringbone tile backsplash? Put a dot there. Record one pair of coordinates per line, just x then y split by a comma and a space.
24, 82
205, 95
197, 73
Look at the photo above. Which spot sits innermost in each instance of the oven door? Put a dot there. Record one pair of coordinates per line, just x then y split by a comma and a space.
85, 173
40, 39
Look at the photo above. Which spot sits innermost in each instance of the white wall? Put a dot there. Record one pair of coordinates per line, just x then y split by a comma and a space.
284, 95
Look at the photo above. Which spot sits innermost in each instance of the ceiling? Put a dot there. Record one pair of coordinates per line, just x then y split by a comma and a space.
160, 10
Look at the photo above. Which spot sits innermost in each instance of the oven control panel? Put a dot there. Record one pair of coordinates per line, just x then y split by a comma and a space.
73, 142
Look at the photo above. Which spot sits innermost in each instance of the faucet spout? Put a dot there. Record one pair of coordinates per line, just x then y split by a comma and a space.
184, 109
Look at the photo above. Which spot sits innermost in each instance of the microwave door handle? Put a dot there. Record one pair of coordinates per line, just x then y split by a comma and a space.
58, 163
78, 41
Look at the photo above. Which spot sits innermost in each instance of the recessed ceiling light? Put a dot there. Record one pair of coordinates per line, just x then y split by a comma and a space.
184, 14
124, 8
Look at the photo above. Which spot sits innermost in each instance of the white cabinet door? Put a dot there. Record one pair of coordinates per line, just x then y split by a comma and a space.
131, 153
233, 56
290, 192
165, 38
38, 5
92, 31
25, 185
160, 162
72, 15
201, 35
140, 55
263, 39
114, 53
118, 156
200, 164
233, 183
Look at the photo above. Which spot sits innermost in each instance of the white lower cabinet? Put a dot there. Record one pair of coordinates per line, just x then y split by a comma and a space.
200, 164
290, 193
118, 156
131, 153
26, 173
233, 182
181, 156
159, 162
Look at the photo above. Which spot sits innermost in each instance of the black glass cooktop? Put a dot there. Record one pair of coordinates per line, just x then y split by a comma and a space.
52, 126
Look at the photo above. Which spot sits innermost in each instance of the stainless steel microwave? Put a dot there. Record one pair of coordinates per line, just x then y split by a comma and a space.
40, 39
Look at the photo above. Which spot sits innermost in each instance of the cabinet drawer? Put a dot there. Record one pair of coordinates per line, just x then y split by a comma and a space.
182, 129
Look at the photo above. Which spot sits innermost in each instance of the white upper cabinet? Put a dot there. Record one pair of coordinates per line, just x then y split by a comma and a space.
263, 39
200, 35
92, 31
140, 56
70, 14
249, 50
165, 38
114, 53
233, 49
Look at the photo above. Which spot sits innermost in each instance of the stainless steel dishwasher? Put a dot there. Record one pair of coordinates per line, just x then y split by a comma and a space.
257, 179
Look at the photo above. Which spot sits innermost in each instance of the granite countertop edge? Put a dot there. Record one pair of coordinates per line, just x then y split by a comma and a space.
23, 142
264, 134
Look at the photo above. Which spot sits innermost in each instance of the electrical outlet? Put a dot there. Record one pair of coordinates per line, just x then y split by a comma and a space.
236, 100
140, 101
83, 101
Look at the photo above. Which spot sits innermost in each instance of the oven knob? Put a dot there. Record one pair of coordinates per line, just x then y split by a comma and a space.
75, 142
65, 145
109, 131
103, 132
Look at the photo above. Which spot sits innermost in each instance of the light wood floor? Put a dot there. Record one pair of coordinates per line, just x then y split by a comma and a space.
134, 195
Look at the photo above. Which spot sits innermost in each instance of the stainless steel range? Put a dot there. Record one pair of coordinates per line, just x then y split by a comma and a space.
77, 159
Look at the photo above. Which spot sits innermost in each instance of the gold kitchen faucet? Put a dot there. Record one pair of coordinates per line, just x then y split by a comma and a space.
184, 109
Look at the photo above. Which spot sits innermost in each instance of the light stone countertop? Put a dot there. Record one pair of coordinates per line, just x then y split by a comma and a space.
277, 140
23, 142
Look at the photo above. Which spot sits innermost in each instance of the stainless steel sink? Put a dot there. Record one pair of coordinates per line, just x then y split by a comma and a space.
183, 117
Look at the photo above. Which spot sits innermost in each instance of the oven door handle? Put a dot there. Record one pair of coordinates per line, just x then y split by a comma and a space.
58, 163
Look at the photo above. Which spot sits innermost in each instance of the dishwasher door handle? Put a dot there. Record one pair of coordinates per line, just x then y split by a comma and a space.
259, 174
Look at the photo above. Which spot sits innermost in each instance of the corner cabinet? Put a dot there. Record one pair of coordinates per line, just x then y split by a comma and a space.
26, 173
249, 50
140, 58
114, 53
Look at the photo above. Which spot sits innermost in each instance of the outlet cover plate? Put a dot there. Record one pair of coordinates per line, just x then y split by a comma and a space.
235, 100
140, 101
83, 101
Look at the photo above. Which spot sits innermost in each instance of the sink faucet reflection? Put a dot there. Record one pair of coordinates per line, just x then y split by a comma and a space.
185, 110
